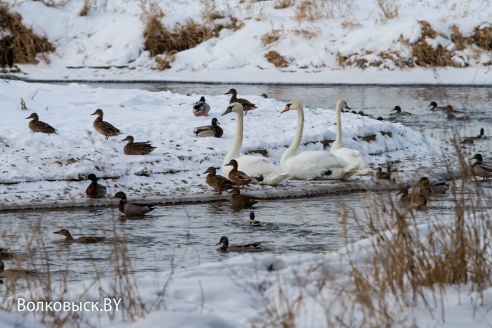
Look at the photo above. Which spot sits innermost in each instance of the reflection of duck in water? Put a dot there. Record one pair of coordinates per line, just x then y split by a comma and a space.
238, 200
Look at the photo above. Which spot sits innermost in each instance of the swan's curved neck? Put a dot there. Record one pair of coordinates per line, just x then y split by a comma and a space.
292, 150
238, 140
338, 140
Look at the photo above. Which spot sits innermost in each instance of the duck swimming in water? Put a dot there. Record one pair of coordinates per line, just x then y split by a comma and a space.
398, 111
242, 248
81, 240
14, 273
130, 208
252, 221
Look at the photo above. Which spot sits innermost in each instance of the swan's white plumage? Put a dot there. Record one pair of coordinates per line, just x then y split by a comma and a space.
351, 156
256, 167
311, 165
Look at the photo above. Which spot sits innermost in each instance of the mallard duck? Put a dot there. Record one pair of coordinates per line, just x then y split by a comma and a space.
218, 182
264, 95
434, 106
137, 148
213, 130
238, 177
251, 247
450, 111
239, 201
14, 273
201, 108
103, 127
38, 126
130, 209
436, 187
398, 111
380, 175
247, 105
415, 198
81, 240
481, 169
95, 190
252, 220
482, 134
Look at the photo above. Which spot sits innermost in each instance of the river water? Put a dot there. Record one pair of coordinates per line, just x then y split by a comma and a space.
185, 235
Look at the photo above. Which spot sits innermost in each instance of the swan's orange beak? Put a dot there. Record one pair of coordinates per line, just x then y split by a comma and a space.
285, 109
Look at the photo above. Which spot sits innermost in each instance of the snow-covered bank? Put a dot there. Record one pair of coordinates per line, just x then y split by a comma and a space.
41, 170
354, 42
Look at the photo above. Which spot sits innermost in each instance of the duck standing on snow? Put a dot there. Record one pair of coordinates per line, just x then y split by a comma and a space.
238, 177
213, 130
398, 111
81, 240
351, 156
103, 127
247, 105
252, 221
137, 148
132, 209
201, 108
481, 169
241, 201
380, 175
95, 190
38, 126
312, 165
250, 247
256, 167
434, 106
14, 273
218, 182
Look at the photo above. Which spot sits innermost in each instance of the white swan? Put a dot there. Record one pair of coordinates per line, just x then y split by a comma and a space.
256, 167
310, 165
351, 156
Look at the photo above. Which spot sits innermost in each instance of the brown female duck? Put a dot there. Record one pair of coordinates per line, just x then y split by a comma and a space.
218, 182
95, 190
238, 177
240, 201
380, 175
137, 148
38, 126
247, 105
213, 130
415, 198
103, 127
81, 240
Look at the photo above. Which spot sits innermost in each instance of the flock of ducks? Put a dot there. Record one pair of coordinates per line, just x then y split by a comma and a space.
337, 164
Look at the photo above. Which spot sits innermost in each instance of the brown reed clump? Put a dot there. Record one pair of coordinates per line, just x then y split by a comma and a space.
428, 56
483, 37
276, 59
270, 37
282, 4
20, 45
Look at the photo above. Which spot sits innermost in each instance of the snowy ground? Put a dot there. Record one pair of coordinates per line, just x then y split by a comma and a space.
41, 170
356, 30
